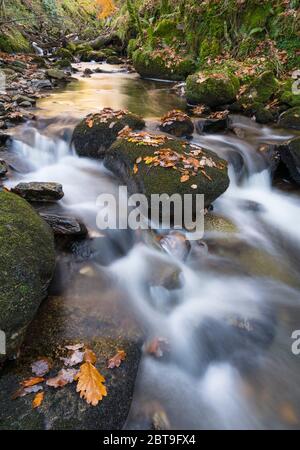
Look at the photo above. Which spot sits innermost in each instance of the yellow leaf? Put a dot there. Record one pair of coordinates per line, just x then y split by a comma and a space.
135, 169
38, 399
32, 381
89, 356
184, 178
90, 384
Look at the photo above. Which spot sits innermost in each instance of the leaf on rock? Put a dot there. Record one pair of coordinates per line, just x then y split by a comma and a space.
74, 359
25, 391
184, 178
90, 384
116, 360
64, 376
38, 400
41, 367
135, 169
90, 123
32, 381
74, 347
90, 356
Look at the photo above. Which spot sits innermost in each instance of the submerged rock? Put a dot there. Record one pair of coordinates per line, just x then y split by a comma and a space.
290, 156
290, 118
156, 164
39, 192
26, 267
95, 134
212, 89
177, 123
56, 74
211, 125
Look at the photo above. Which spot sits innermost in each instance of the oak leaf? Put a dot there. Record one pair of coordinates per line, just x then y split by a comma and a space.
89, 356
38, 400
25, 391
90, 384
116, 360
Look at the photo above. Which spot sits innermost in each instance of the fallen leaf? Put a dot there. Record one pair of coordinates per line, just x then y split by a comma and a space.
74, 347
74, 359
38, 400
89, 356
116, 360
90, 123
135, 169
32, 381
157, 347
41, 367
184, 178
90, 384
64, 376
25, 391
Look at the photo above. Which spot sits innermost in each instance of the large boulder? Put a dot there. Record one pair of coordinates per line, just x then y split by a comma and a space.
212, 89
39, 191
290, 118
261, 89
158, 164
26, 267
290, 156
164, 64
95, 134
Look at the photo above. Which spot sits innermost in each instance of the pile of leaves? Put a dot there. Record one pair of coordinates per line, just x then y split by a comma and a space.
105, 116
143, 138
79, 366
176, 115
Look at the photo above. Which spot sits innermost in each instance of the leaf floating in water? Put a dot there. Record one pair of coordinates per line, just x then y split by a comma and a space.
38, 400
64, 377
41, 367
157, 347
90, 384
116, 360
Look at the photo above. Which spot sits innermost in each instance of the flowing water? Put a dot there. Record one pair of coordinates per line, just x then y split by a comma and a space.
229, 362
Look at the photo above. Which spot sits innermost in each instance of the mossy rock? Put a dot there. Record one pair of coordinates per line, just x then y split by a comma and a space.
158, 64
261, 89
93, 141
287, 96
63, 64
114, 60
209, 48
26, 267
95, 55
290, 118
167, 30
122, 158
212, 89
13, 41
64, 53
132, 47
290, 156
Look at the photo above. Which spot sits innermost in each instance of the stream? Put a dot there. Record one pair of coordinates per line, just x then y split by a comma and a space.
230, 362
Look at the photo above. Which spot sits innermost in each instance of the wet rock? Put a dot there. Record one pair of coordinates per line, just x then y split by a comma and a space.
290, 118
56, 74
263, 115
271, 155
212, 89
95, 134
177, 123
3, 168
261, 89
114, 60
41, 84
126, 159
26, 267
25, 105
87, 72
65, 226
161, 65
39, 192
92, 311
4, 138
176, 244
217, 223
211, 125
290, 156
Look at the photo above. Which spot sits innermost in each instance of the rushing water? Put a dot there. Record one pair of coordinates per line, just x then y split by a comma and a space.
229, 326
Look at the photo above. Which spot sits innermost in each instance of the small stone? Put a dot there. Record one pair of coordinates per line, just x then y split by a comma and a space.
65, 226
39, 192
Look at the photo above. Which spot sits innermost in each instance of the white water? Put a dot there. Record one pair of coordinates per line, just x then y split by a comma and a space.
243, 386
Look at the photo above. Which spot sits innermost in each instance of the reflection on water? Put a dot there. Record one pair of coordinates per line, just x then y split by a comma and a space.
112, 90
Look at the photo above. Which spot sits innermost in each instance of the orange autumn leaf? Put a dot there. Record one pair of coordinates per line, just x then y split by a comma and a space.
32, 381
135, 169
90, 384
116, 360
89, 356
38, 400
184, 178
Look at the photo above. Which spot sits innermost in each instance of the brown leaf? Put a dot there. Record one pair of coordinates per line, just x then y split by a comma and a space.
157, 347
89, 356
90, 384
64, 376
135, 169
25, 391
116, 360
38, 400
184, 178
90, 123
41, 367
32, 381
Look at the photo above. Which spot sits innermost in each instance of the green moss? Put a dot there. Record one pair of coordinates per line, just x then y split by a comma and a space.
14, 42
132, 46
63, 64
64, 53
255, 16
286, 93
158, 65
262, 88
212, 89
209, 48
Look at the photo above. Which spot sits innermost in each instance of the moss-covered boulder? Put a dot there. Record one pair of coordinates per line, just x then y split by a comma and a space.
290, 118
158, 164
177, 123
212, 89
261, 89
94, 135
64, 53
290, 156
287, 96
26, 267
162, 64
